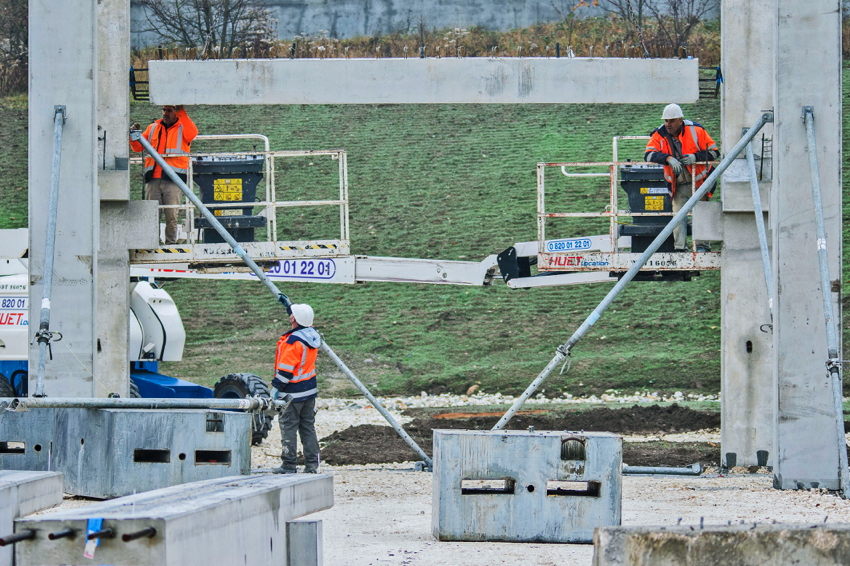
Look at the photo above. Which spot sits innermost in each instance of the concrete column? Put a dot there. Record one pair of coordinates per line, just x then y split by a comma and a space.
807, 58
63, 70
113, 176
747, 400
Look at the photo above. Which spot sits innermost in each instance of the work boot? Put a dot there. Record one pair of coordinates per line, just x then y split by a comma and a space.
282, 470
311, 470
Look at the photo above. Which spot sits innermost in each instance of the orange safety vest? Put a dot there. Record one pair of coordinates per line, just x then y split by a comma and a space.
295, 363
693, 138
173, 144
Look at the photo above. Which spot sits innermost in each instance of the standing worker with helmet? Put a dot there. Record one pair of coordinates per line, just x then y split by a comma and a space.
678, 144
171, 136
295, 374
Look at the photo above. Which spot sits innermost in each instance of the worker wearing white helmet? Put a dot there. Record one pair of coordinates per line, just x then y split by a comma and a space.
295, 374
682, 147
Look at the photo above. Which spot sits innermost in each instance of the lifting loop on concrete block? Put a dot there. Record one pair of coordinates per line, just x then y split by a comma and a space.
136, 135
565, 349
833, 364
43, 336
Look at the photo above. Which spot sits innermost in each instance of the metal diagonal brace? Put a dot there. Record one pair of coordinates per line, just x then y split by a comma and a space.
765, 252
44, 335
136, 135
565, 349
833, 364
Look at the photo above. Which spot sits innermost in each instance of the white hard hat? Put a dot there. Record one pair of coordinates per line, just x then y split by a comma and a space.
303, 314
672, 111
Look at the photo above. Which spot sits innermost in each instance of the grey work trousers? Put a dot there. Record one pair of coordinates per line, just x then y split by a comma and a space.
680, 234
299, 418
165, 192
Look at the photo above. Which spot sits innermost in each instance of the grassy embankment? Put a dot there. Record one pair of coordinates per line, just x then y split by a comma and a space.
451, 182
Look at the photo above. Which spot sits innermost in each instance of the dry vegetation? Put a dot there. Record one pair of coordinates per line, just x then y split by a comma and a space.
599, 37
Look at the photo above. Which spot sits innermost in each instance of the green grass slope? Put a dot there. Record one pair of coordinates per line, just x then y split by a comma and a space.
450, 182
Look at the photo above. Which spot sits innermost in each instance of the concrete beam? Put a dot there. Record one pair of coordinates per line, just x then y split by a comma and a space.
22, 493
233, 520
424, 81
741, 545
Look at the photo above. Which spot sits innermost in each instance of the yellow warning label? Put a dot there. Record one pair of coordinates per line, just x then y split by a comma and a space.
227, 190
644, 190
228, 212
655, 204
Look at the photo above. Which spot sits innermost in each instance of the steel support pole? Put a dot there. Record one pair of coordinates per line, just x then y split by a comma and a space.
43, 335
833, 363
765, 252
136, 136
564, 350
692, 470
251, 404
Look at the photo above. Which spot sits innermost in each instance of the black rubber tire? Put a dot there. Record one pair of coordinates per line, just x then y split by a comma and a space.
24, 389
134, 390
239, 386
6, 389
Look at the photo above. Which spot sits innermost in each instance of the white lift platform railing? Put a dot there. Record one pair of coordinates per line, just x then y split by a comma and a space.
270, 250
569, 255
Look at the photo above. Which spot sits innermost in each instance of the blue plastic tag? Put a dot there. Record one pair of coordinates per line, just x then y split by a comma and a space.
93, 526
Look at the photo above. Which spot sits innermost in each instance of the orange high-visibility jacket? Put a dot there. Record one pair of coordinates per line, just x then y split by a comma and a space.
173, 144
295, 363
694, 139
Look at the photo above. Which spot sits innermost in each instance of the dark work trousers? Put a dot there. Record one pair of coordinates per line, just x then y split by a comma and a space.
299, 418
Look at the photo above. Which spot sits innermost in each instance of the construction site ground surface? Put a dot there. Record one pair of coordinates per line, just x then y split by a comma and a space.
382, 508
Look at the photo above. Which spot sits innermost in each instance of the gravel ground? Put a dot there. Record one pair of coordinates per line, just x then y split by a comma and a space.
384, 517
382, 514
335, 414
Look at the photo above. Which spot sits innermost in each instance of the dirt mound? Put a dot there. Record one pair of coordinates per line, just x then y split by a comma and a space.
373, 444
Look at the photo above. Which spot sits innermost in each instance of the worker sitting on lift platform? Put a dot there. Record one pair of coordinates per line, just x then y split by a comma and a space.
295, 374
172, 138
677, 144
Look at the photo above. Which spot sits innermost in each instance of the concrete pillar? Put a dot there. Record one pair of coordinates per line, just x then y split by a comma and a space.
807, 58
747, 398
63, 70
113, 177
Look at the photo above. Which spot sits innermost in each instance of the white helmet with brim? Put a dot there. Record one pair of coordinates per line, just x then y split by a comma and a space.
672, 111
303, 314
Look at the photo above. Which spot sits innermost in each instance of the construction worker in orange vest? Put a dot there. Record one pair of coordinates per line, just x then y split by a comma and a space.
171, 136
295, 374
680, 145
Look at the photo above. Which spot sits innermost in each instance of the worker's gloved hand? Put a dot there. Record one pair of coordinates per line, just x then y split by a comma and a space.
675, 164
689, 159
275, 393
284, 300
136, 126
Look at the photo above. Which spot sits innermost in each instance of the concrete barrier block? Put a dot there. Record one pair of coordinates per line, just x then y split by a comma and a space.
107, 453
525, 486
736, 545
235, 520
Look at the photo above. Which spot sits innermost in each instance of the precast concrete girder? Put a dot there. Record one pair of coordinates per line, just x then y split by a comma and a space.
425, 81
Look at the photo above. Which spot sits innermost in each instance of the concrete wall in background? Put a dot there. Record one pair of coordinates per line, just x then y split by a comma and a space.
348, 18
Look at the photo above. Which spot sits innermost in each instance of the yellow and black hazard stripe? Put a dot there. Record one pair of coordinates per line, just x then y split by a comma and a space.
167, 251
310, 247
